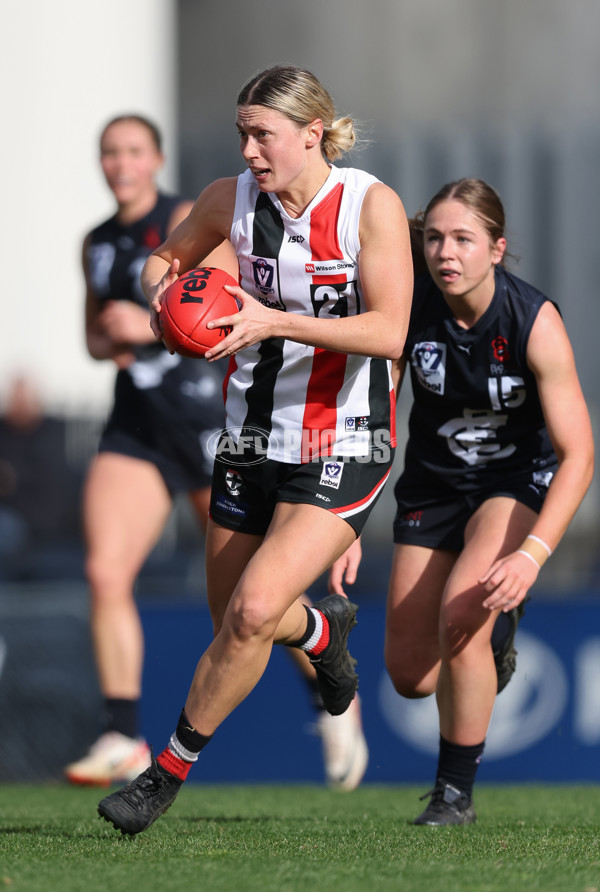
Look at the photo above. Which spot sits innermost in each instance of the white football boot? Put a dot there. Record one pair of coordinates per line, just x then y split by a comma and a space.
345, 751
113, 758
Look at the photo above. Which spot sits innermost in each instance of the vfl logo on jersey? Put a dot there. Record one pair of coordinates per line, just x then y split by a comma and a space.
100, 260
428, 359
473, 439
328, 267
264, 274
542, 479
331, 475
358, 423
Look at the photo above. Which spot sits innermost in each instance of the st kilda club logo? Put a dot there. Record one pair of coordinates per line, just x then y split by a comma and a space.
500, 348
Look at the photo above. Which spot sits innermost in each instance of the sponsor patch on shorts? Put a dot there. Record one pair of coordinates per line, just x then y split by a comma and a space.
231, 507
331, 475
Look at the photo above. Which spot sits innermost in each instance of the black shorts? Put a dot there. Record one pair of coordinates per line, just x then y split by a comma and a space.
428, 517
167, 427
244, 495
183, 469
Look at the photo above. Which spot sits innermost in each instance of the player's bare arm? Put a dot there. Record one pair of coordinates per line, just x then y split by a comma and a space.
386, 278
550, 357
200, 232
100, 341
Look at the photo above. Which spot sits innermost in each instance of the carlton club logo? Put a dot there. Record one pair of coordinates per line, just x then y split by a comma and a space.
500, 348
152, 237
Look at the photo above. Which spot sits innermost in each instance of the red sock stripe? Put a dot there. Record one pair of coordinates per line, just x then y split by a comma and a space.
173, 764
323, 640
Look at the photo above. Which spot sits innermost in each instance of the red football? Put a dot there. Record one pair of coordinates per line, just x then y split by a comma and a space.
189, 304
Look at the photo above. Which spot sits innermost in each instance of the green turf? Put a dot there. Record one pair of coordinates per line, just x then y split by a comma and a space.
250, 838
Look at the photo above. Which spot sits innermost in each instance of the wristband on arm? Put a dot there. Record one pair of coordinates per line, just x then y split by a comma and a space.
536, 550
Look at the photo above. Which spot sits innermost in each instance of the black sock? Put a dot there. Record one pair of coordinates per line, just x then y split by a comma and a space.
192, 740
457, 765
311, 625
122, 715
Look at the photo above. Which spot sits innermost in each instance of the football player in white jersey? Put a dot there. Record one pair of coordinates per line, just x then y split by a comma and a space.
146, 456
325, 293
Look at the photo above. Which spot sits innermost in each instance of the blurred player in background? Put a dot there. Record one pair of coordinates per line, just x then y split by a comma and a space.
499, 457
154, 445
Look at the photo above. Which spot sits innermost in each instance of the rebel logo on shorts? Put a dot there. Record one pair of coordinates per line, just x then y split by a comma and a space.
428, 359
331, 475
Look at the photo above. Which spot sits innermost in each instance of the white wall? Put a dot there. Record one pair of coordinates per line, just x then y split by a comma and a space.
66, 67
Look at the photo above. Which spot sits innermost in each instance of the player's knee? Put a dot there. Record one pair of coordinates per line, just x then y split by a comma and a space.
105, 579
250, 619
408, 679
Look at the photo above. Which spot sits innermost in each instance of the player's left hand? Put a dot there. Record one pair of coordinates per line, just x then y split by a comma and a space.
125, 322
252, 324
155, 294
344, 570
507, 581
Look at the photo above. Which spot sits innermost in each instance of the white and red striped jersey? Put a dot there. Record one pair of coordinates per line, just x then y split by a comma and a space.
305, 401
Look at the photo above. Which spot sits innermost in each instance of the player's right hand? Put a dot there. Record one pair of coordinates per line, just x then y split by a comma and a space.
156, 294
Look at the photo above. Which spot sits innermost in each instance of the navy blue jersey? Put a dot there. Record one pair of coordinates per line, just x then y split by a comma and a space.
116, 253
476, 415
164, 405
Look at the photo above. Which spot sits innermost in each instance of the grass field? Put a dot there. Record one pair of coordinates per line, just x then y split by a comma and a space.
302, 838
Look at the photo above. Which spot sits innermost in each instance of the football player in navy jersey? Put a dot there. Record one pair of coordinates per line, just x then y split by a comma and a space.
131, 482
325, 287
498, 459
154, 446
